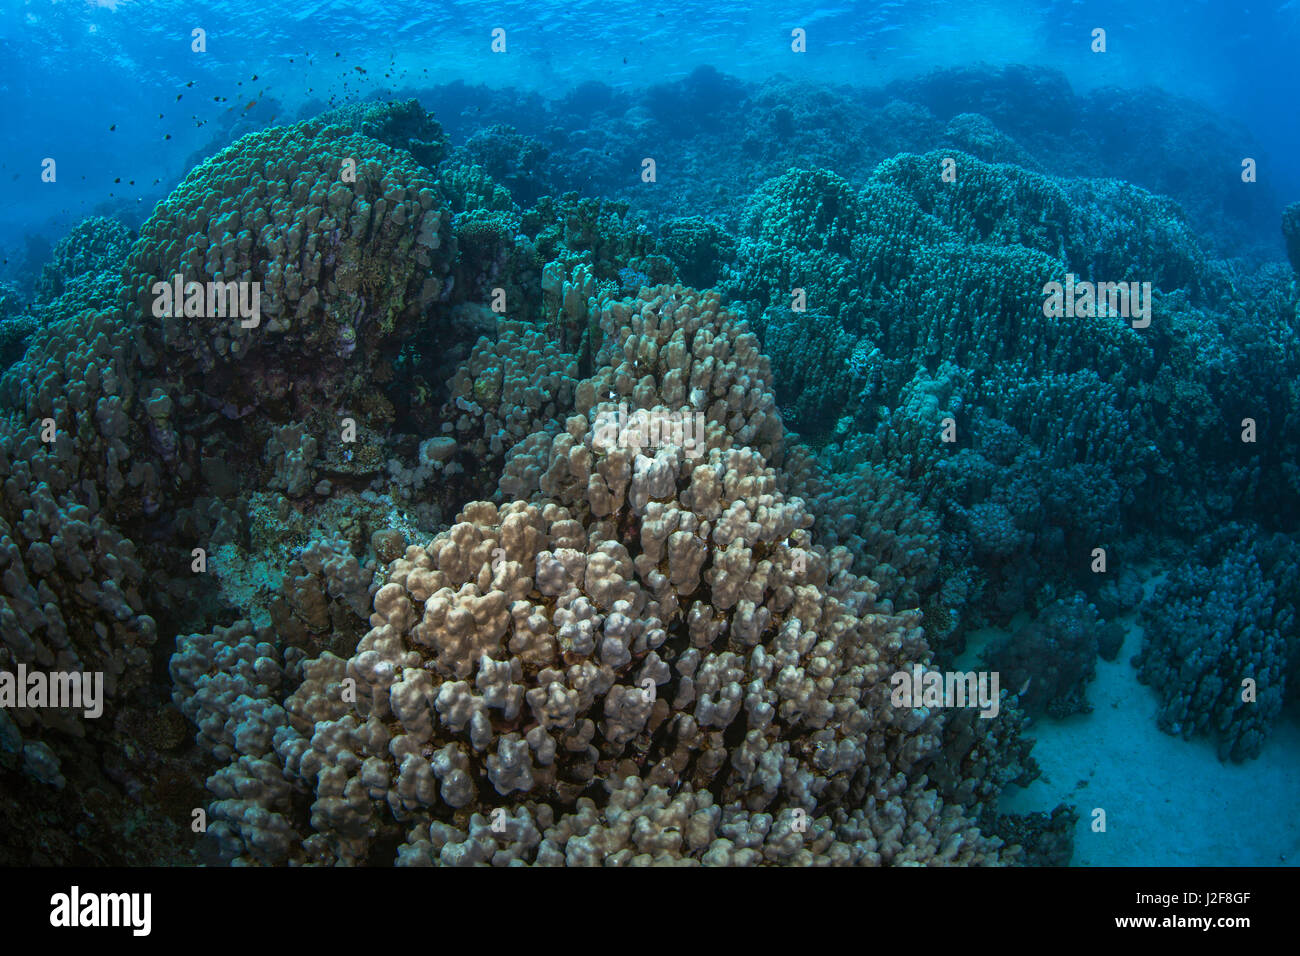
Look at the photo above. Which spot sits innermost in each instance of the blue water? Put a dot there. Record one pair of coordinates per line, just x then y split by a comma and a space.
70, 70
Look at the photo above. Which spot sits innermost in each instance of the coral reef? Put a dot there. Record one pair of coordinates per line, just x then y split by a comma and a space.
1222, 619
343, 261
698, 247
17, 325
1058, 422
116, 416
1291, 233
664, 624
513, 388
1052, 658
515, 161
402, 125
94, 247
489, 539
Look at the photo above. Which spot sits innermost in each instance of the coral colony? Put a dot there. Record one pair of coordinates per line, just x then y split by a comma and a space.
380, 500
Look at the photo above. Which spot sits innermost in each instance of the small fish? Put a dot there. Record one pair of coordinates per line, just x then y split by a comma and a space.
251, 104
113, 127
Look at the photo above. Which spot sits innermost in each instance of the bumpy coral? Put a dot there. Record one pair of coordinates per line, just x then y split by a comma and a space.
977, 135
1224, 619
470, 188
290, 452
1051, 660
513, 387
896, 543
72, 585
349, 244
1291, 233
324, 597
657, 617
114, 419
698, 247
17, 326
95, 246
514, 160
16, 334
401, 125
600, 233
919, 285
71, 588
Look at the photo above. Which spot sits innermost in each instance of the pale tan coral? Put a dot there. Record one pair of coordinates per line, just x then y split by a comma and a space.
656, 619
